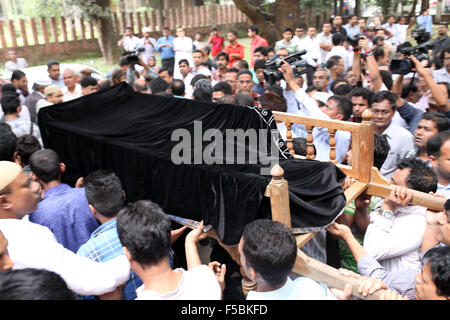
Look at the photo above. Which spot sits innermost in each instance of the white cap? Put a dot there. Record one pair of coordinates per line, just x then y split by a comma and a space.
145, 29
8, 172
322, 96
43, 82
204, 71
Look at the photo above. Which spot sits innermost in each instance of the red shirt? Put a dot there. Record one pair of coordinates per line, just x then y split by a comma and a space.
239, 49
216, 45
255, 43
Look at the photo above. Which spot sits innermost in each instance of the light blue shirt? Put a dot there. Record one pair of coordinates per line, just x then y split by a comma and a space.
166, 52
426, 22
59, 82
301, 288
443, 190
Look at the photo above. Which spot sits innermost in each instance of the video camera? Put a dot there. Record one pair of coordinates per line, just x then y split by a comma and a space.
298, 65
420, 52
354, 40
420, 35
132, 56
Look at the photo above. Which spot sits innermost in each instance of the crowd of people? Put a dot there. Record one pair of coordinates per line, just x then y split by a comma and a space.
89, 243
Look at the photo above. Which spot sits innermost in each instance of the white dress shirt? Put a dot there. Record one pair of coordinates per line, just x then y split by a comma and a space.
401, 142
72, 95
198, 283
341, 52
34, 246
323, 39
395, 30
301, 288
321, 136
131, 44
10, 65
395, 243
183, 50
312, 47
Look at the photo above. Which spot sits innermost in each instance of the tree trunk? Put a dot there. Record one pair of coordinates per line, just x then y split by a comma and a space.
358, 9
438, 17
412, 13
107, 40
285, 14
425, 4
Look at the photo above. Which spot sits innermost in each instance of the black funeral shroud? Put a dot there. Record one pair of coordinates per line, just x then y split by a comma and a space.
130, 133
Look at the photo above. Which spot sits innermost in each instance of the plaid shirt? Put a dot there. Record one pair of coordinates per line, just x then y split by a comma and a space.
104, 245
21, 127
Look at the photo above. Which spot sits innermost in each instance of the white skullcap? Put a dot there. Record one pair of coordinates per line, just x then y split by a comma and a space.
8, 172
204, 71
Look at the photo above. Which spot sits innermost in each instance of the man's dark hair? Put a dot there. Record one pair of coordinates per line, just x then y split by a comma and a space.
421, 177
263, 50
381, 150
244, 71
259, 64
300, 146
233, 32
254, 28
10, 103
439, 259
333, 61
123, 62
117, 75
226, 99
337, 39
198, 51
223, 54
165, 28
169, 71
242, 99
9, 88
386, 77
185, 61
383, 95
440, 120
270, 249
51, 63
243, 64
342, 90
144, 229
158, 85
311, 88
447, 205
274, 88
17, 75
26, 146
177, 87
140, 87
104, 192
338, 81
202, 94
412, 86
365, 93
33, 284
345, 106
224, 87
232, 70
273, 102
8, 142
196, 78
88, 81
436, 142
165, 94
45, 164
378, 52
288, 29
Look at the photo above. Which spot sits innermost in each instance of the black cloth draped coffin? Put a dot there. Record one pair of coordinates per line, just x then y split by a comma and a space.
132, 134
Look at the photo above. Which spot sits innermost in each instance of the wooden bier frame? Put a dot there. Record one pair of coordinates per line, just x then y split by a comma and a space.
370, 181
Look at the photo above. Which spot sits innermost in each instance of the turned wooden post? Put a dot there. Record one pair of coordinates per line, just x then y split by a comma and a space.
310, 143
332, 142
289, 143
366, 147
278, 191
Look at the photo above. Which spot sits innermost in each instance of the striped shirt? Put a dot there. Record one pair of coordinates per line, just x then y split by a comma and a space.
104, 245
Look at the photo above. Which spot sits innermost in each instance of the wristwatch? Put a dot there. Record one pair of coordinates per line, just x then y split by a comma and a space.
388, 214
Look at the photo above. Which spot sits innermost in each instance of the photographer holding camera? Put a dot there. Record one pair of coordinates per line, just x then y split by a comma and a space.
336, 108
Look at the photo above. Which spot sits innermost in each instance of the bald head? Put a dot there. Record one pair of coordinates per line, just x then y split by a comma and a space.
69, 78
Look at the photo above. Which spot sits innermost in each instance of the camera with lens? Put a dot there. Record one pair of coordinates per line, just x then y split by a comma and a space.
132, 56
354, 40
420, 52
298, 65
420, 35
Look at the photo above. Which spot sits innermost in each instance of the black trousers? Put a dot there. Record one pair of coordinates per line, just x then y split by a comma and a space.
168, 63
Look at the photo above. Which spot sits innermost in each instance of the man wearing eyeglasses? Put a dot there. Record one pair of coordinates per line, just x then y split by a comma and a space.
400, 140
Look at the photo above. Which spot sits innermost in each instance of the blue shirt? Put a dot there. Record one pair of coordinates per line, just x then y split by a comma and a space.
65, 211
166, 52
104, 245
426, 22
